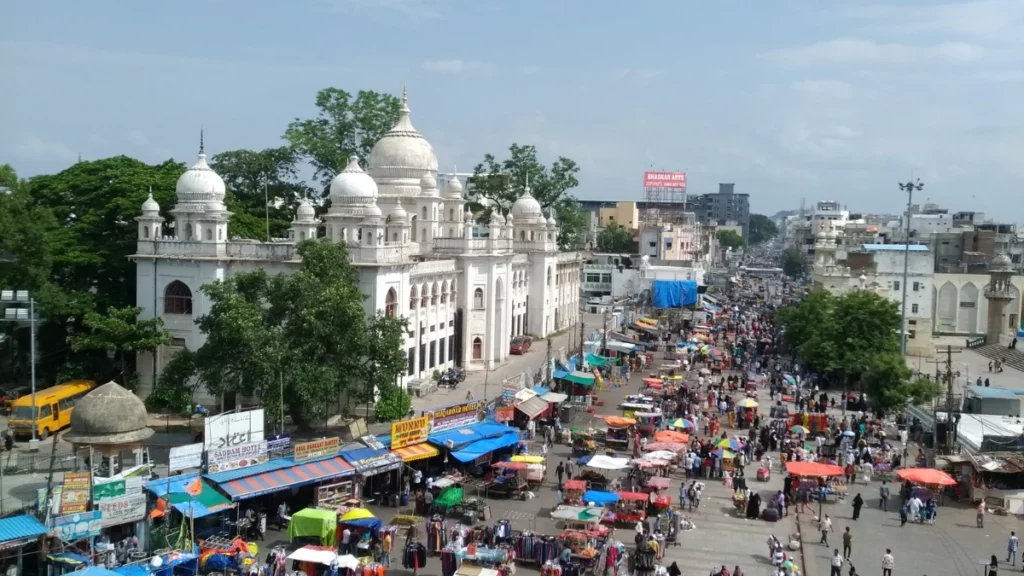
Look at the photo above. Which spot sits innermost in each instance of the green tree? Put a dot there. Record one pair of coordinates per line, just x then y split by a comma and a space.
343, 126
890, 384
497, 184
810, 330
761, 229
794, 264
121, 331
383, 356
730, 239
865, 325
264, 185
394, 404
176, 387
615, 239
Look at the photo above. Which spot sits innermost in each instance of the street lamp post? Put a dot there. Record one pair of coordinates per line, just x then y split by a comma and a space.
909, 188
18, 314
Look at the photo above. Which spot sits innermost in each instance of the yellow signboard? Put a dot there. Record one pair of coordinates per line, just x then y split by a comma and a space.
316, 448
408, 432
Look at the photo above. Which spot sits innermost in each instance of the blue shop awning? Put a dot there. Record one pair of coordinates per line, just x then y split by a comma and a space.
294, 475
474, 450
209, 502
541, 390
22, 527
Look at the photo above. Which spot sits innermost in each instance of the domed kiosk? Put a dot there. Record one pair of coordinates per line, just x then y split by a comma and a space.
109, 417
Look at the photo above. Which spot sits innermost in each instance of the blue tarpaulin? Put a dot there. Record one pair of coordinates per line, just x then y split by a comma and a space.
674, 293
600, 498
540, 390
466, 435
479, 448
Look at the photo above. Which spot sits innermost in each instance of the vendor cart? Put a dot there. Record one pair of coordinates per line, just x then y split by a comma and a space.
511, 487
617, 436
572, 491
631, 507
583, 442
648, 423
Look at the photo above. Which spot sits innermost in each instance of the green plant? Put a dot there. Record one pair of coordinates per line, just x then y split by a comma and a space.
394, 403
436, 376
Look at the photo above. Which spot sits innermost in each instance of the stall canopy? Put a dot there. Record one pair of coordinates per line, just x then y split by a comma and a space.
673, 293
532, 407
554, 397
622, 347
600, 498
322, 524
643, 328
415, 452
926, 476
578, 377
362, 518
370, 461
471, 442
283, 473
97, 571
21, 527
602, 462
601, 361
208, 502
623, 338
813, 469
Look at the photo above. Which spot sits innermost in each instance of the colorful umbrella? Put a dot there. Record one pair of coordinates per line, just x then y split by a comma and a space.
680, 423
730, 443
799, 430
747, 403
724, 454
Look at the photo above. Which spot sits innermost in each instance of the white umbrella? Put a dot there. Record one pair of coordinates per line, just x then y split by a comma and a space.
661, 455
849, 433
601, 462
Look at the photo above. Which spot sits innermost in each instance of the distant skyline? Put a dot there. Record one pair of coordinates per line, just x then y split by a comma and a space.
790, 99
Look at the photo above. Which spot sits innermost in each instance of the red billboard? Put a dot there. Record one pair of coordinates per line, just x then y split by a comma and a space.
664, 179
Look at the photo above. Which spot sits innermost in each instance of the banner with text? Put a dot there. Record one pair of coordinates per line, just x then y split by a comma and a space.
233, 429
457, 416
408, 432
123, 510
279, 445
185, 457
316, 449
504, 414
236, 457
664, 179
76, 526
116, 488
74, 497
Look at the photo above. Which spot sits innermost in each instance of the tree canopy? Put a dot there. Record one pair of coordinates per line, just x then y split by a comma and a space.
730, 239
761, 229
265, 185
616, 240
794, 264
303, 337
497, 184
342, 127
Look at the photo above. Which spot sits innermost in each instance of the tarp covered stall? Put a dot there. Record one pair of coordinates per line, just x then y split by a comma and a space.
673, 293
554, 397
471, 442
314, 522
533, 407
599, 497
370, 461
621, 347
208, 502
578, 377
278, 475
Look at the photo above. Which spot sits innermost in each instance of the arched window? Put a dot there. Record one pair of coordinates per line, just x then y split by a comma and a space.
209, 234
434, 293
522, 234
444, 292
188, 231
424, 212
423, 236
220, 233
478, 348
549, 275
478, 298
413, 298
394, 236
451, 214
391, 303
145, 232
177, 298
426, 294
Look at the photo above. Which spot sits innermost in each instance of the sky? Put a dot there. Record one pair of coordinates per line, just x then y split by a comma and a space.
788, 99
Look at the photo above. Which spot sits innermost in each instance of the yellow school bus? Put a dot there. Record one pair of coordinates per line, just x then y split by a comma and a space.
53, 409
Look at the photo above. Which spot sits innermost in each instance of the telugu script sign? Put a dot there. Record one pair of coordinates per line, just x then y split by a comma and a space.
408, 432
664, 179
76, 526
236, 457
316, 449
457, 416
75, 492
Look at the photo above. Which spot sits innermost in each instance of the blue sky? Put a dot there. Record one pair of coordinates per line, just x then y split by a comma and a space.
789, 99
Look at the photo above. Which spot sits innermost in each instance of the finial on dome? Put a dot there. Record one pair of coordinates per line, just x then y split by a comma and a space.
202, 146
405, 94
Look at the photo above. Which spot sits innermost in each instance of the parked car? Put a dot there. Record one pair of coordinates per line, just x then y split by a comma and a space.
520, 344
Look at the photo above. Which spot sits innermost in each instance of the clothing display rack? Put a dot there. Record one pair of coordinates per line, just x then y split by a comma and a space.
437, 534
502, 532
414, 556
534, 548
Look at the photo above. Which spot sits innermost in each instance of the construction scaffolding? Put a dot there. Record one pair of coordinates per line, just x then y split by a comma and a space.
664, 197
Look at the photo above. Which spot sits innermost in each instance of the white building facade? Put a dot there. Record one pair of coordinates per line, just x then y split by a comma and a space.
464, 297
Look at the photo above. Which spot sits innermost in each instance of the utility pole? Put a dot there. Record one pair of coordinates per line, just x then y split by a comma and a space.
949, 376
604, 331
547, 366
909, 188
583, 326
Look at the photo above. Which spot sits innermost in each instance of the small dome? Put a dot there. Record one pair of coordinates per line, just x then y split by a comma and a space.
214, 207
1001, 263
372, 211
398, 215
527, 208
497, 219
402, 152
199, 184
428, 184
109, 415
352, 185
453, 189
150, 207
305, 212
551, 220
509, 218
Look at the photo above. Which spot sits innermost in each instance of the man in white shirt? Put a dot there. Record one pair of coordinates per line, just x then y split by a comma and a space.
430, 483
837, 563
888, 563
417, 478
346, 537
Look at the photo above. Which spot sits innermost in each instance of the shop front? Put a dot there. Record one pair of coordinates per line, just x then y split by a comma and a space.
529, 409
193, 499
376, 470
408, 440
20, 535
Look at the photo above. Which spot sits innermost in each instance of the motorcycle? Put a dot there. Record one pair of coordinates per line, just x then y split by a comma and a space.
447, 381
458, 374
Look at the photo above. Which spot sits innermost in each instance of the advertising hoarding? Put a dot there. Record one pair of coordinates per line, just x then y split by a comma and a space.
457, 416
316, 449
664, 179
185, 457
408, 432
123, 510
116, 488
236, 457
76, 526
233, 429
74, 497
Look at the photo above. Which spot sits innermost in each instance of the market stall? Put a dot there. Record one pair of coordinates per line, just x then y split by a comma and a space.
572, 491
649, 423
822, 479
617, 435
582, 442
362, 525
314, 523
630, 508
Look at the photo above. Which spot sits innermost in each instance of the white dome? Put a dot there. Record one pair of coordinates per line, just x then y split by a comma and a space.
453, 189
551, 220
372, 212
527, 208
352, 185
199, 184
214, 207
1001, 262
497, 219
429, 185
398, 215
150, 207
403, 152
305, 212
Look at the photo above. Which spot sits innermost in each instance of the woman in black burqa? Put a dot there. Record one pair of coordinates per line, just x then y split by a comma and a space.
754, 506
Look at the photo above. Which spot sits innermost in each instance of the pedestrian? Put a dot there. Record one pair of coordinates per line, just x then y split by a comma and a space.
847, 543
888, 563
559, 472
385, 550
993, 567
858, 501
568, 468
883, 496
837, 564
980, 520
1011, 549
559, 502
824, 525
903, 515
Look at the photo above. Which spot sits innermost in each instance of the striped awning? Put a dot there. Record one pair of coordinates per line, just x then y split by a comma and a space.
416, 452
297, 475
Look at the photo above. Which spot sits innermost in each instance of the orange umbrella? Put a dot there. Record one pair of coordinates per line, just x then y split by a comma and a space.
926, 476
813, 469
671, 436
619, 422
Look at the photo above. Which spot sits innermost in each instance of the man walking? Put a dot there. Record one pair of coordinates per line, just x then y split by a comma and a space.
560, 472
1011, 549
888, 563
837, 564
847, 543
883, 496
824, 525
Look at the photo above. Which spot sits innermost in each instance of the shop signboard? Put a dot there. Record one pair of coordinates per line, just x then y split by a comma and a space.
457, 416
508, 394
233, 429
317, 449
504, 413
116, 488
279, 445
75, 492
383, 462
76, 526
185, 457
408, 432
236, 457
123, 510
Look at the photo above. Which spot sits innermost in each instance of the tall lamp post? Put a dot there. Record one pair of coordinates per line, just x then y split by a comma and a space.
14, 302
909, 188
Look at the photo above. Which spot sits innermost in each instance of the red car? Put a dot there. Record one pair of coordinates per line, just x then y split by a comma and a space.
520, 344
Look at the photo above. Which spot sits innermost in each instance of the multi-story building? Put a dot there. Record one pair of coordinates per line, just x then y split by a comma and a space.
725, 207
624, 214
673, 241
413, 244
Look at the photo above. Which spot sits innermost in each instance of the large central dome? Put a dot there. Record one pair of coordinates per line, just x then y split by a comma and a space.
402, 152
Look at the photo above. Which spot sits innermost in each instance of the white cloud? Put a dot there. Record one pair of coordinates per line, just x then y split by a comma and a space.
858, 51
530, 70
453, 66
985, 20
32, 147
